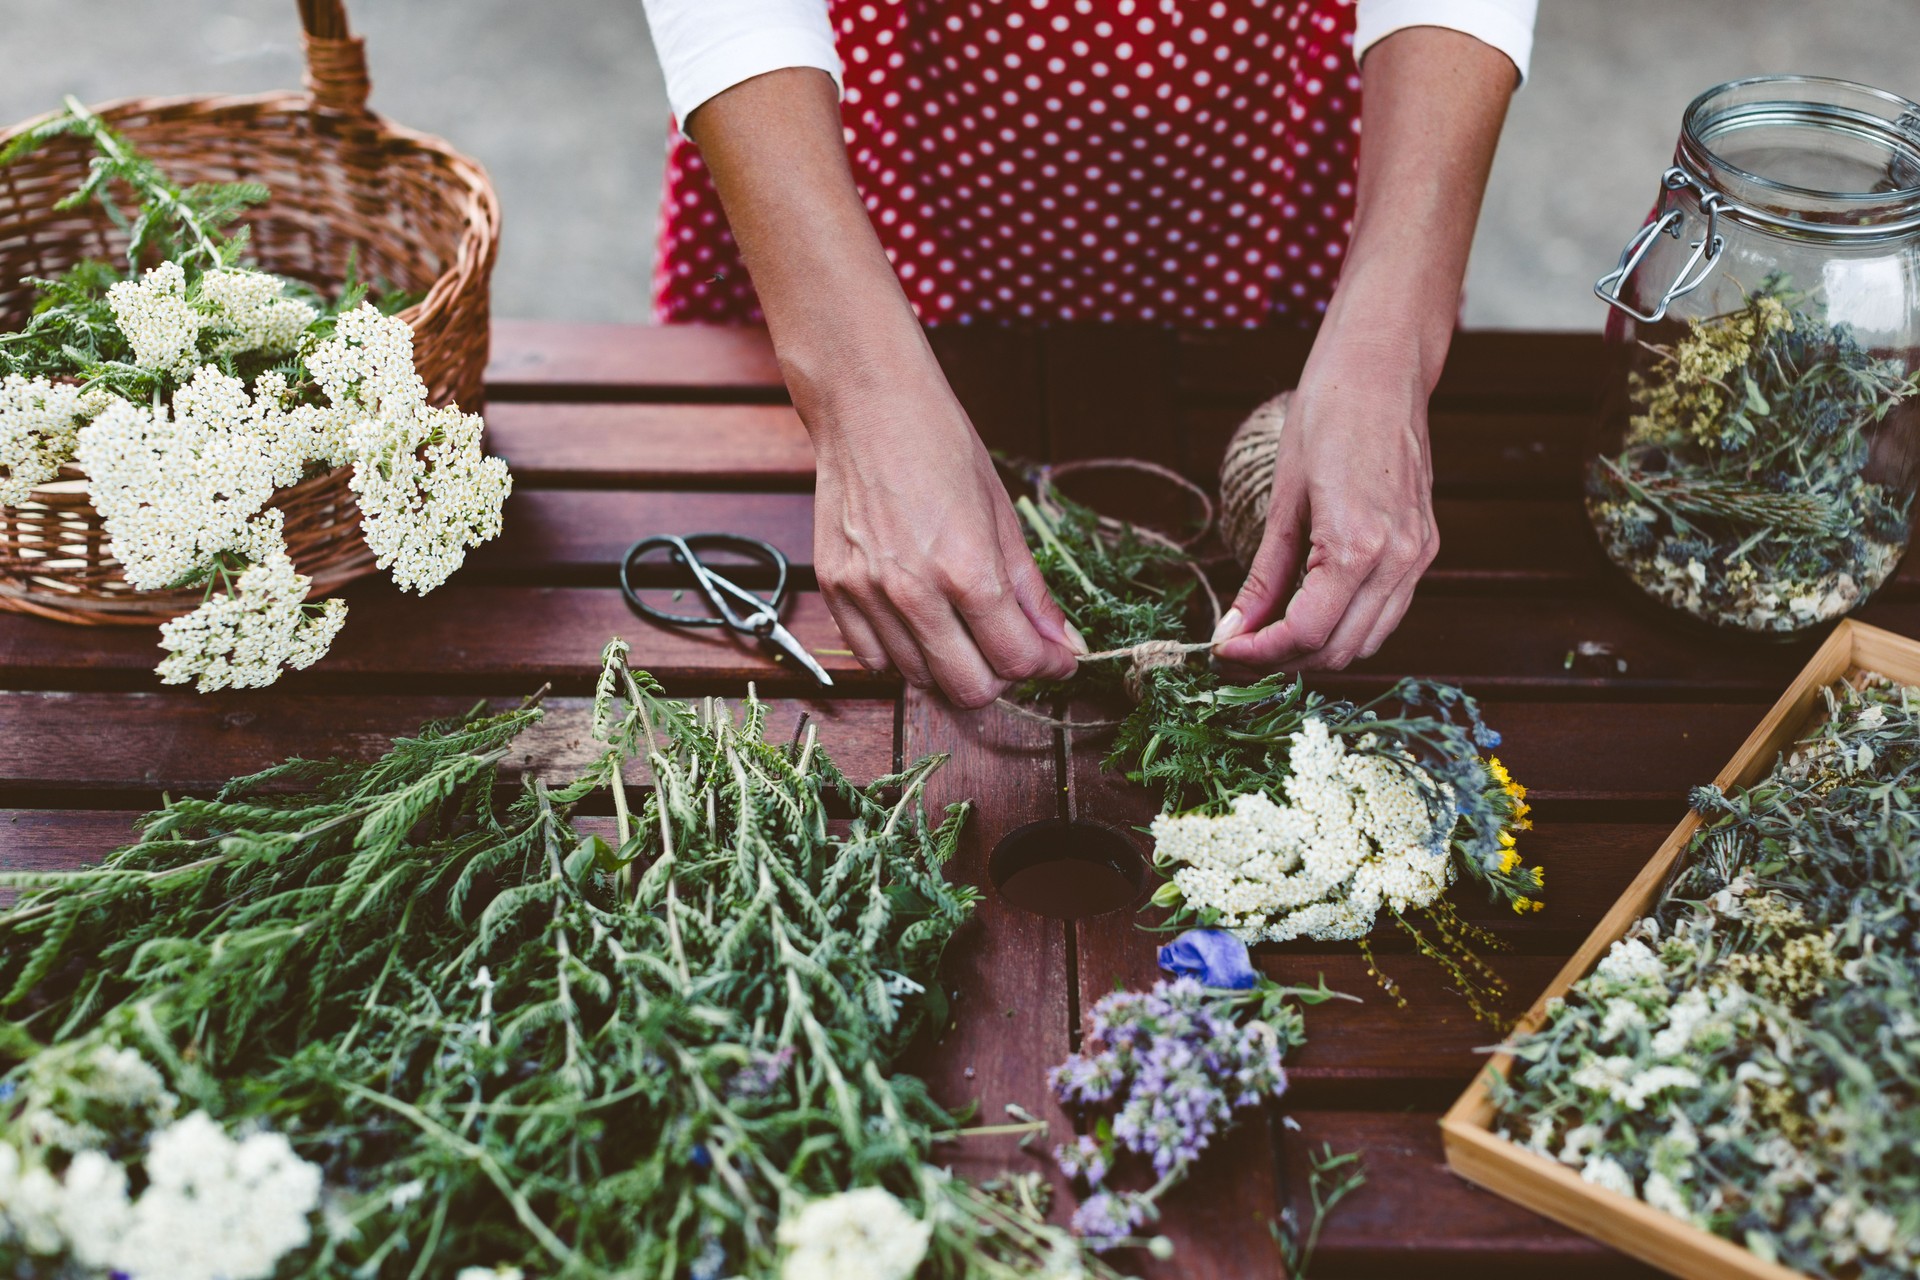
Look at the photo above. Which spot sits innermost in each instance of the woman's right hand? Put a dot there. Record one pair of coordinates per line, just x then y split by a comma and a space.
918, 550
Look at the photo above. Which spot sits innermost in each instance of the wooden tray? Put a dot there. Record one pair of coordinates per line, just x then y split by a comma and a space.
1546, 1186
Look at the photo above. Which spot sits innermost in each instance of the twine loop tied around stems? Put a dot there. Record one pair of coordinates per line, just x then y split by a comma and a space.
1148, 655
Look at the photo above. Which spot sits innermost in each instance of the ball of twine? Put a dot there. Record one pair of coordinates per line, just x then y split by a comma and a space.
1246, 477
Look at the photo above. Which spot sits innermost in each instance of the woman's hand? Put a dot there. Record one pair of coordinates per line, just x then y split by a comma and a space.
1351, 518
916, 546
1352, 514
918, 551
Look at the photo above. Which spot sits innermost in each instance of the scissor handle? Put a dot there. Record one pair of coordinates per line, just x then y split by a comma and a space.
721, 592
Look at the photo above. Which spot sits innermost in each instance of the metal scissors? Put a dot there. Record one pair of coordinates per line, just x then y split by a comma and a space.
734, 606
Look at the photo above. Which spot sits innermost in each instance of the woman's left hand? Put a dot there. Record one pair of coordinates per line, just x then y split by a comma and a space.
1351, 518
1352, 514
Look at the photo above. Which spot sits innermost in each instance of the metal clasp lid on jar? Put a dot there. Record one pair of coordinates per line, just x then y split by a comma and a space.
1699, 264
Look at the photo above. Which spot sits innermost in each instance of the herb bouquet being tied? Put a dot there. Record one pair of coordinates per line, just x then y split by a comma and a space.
419, 1026
1286, 814
191, 393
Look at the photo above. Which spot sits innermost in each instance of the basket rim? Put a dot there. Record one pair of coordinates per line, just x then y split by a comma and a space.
478, 239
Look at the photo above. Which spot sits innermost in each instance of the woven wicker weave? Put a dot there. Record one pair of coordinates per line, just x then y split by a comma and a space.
412, 212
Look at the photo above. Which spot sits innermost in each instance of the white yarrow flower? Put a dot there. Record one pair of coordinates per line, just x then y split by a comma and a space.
1357, 832
175, 490
249, 307
242, 639
40, 423
159, 323
427, 493
857, 1235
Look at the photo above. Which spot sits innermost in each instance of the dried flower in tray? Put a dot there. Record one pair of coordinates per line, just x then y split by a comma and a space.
1746, 1057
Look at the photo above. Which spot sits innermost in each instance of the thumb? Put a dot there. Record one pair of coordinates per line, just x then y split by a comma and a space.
1276, 565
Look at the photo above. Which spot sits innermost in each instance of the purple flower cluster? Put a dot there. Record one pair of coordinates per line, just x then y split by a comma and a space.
761, 1074
1166, 1069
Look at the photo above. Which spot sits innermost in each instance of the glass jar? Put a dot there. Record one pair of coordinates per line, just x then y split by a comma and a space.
1756, 465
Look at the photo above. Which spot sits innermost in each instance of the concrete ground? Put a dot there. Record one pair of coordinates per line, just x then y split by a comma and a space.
563, 102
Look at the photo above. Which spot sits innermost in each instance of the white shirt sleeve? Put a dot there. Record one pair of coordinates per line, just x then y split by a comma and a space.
1507, 25
708, 46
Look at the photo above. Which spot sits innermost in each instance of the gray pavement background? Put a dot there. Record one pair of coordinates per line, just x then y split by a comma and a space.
562, 101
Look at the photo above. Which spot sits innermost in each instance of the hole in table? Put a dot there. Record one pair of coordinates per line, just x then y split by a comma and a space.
1068, 869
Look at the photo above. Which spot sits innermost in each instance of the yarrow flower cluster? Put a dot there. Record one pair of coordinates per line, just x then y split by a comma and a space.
864, 1234
1358, 832
1743, 1058
40, 422
243, 638
184, 483
210, 1206
1164, 1071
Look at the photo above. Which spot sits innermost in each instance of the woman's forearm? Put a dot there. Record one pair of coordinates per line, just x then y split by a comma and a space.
836, 312
1433, 101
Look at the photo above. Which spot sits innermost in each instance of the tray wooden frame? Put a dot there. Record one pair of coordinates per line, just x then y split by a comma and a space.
1477, 1153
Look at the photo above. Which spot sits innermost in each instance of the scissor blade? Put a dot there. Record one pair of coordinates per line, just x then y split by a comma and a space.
798, 652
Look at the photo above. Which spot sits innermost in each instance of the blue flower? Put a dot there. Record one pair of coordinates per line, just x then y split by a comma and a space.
702, 1158
1214, 956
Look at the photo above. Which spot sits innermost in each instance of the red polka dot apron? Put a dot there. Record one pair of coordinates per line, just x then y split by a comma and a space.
1178, 162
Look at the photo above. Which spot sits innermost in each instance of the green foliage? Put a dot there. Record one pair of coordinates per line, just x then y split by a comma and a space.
511, 1044
1331, 1179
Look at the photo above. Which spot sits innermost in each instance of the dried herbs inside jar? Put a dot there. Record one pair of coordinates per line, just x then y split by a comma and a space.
1752, 490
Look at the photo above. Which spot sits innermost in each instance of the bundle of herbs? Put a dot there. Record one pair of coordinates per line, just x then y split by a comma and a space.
1748, 491
1286, 814
468, 1040
183, 391
1746, 1058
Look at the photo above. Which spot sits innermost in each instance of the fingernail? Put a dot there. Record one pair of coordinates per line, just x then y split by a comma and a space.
1075, 641
1229, 626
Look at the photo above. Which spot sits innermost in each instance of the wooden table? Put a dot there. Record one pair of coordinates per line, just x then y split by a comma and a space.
1610, 712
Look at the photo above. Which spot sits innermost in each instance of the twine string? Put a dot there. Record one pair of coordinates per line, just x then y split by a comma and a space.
1148, 655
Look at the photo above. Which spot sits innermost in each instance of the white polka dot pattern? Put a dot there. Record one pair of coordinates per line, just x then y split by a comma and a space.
1180, 162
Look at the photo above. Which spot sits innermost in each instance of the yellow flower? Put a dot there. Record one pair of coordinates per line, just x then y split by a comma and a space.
1540, 875
1499, 771
1537, 905
1509, 858
1522, 905
1506, 839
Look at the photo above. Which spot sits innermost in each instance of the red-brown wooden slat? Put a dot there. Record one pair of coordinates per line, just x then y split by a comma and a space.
468, 636
1561, 369
1434, 1038
1476, 453
544, 359
732, 446
1007, 969
142, 743
1218, 1220
1415, 1218
584, 533
1484, 544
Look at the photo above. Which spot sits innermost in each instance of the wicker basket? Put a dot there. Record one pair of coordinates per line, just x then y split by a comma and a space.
411, 211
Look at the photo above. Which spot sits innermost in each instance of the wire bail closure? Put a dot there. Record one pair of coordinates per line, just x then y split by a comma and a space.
1699, 265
